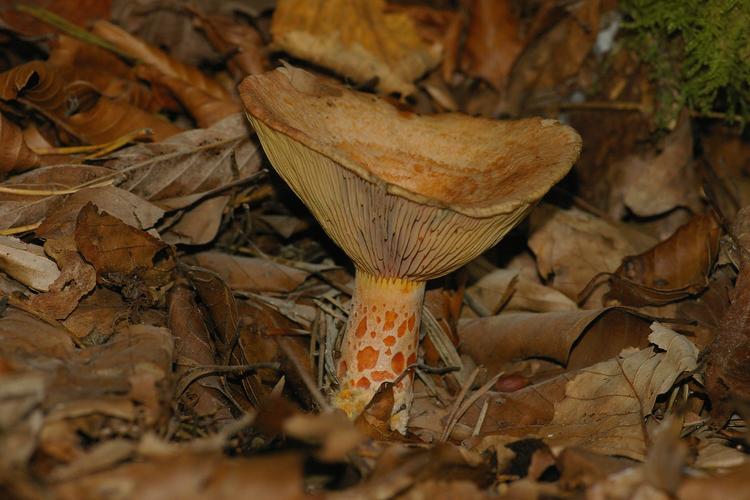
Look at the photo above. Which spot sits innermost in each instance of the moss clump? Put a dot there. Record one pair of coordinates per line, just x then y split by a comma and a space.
698, 51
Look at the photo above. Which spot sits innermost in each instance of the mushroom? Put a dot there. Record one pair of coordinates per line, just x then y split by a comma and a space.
409, 198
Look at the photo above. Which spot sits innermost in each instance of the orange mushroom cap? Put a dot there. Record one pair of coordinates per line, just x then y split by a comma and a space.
406, 196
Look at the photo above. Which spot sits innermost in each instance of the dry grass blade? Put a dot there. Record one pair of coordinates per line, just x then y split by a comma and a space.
457, 404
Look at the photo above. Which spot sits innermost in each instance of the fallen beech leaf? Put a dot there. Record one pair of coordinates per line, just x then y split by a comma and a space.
199, 224
107, 73
525, 294
196, 475
148, 54
179, 171
602, 407
251, 274
555, 57
202, 106
121, 253
18, 210
231, 37
15, 155
572, 338
97, 317
656, 182
43, 86
357, 39
493, 41
195, 347
79, 12
27, 263
572, 246
672, 270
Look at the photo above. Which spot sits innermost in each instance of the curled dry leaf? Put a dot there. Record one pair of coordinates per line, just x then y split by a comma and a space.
600, 408
110, 76
27, 263
179, 171
357, 39
148, 54
493, 41
202, 106
241, 41
658, 181
251, 274
121, 253
77, 109
15, 154
672, 270
509, 289
571, 338
572, 246
198, 225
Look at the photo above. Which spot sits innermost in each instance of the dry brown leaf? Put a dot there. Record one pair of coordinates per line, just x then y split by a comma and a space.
148, 54
493, 41
98, 316
27, 263
202, 106
572, 338
250, 273
656, 182
602, 407
555, 57
672, 270
15, 155
77, 109
241, 41
194, 347
192, 476
21, 210
198, 225
572, 246
734, 484
179, 171
78, 12
357, 39
522, 293
123, 254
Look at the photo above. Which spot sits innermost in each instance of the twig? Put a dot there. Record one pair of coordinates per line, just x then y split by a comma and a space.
457, 403
20, 229
470, 401
48, 192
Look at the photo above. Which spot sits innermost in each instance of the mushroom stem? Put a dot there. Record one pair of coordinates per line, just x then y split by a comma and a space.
380, 341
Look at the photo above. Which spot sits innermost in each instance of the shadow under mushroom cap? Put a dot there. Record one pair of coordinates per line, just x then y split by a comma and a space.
475, 166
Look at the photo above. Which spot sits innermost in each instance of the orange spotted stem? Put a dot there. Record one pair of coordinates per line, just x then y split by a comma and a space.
380, 342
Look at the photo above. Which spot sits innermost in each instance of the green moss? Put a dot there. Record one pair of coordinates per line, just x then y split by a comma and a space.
698, 51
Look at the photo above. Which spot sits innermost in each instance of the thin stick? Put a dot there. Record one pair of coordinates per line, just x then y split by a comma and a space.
482, 416
20, 229
457, 403
49, 192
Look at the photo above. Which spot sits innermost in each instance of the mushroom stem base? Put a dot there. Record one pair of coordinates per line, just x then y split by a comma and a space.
380, 342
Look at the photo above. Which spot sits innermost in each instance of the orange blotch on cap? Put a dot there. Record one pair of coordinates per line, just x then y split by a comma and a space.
366, 358
373, 334
389, 340
397, 363
342, 367
363, 383
402, 329
411, 359
412, 321
361, 328
390, 320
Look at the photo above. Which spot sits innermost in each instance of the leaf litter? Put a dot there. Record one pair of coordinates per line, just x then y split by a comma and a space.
171, 315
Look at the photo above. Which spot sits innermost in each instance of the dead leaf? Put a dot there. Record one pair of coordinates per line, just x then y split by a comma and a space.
355, 38
202, 106
572, 246
602, 407
656, 182
77, 109
179, 171
734, 484
78, 12
241, 41
199, 224
27, 263
16, 156
148, 54
493, 41
571, 338
250, 273
672, 270
97, 317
